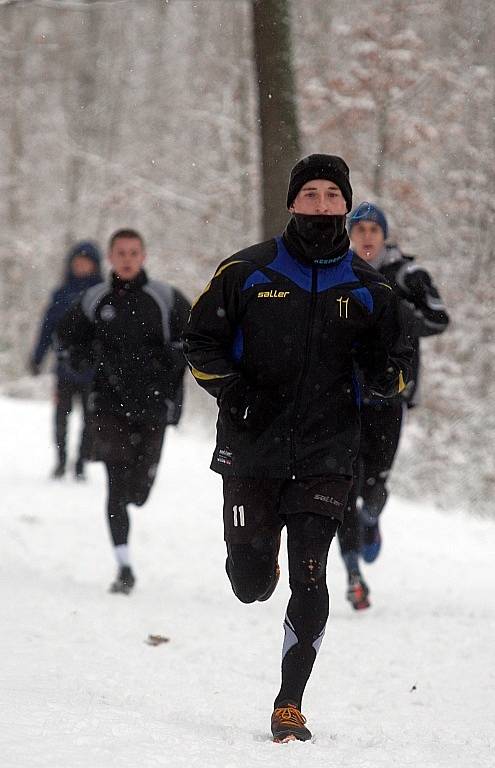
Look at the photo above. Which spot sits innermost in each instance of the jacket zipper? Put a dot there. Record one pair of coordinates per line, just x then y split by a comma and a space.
307, 355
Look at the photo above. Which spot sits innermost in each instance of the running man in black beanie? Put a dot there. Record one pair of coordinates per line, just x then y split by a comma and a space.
274, 338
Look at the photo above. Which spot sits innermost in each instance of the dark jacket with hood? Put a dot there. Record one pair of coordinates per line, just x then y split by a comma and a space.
130, 332
62, 298
421, 306
274, 337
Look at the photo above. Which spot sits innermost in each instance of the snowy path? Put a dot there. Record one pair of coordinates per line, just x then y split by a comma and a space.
409, 683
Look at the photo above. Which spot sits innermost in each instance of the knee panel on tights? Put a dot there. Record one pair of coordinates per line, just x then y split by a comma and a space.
307, 570
309, 538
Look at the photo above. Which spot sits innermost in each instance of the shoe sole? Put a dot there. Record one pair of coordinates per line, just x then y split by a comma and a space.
285, 738
362, 605
120, 590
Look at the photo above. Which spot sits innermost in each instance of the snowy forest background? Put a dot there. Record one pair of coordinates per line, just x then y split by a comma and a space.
145, 114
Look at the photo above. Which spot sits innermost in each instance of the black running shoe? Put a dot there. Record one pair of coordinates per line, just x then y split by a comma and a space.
357, 592
79, 470
124, 582
59, 471
288, 724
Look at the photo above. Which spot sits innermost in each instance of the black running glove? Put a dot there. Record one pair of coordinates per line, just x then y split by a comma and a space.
248, 407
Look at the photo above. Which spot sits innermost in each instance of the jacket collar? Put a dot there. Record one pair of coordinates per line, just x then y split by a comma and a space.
129, 285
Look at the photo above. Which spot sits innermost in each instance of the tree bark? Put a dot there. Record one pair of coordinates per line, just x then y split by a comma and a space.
279, 134
382, 149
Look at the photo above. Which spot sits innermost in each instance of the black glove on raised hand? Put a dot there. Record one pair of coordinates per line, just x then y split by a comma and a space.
416, 284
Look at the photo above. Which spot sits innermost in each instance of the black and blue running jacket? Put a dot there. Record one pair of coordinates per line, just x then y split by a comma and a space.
276, 340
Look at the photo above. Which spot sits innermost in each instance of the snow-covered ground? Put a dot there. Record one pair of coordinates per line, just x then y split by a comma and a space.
410, 682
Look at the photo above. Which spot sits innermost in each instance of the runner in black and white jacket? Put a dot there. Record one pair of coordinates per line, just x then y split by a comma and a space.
381, 420
129, 330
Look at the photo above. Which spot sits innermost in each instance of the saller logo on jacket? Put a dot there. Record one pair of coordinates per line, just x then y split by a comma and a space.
272, 294
327, 499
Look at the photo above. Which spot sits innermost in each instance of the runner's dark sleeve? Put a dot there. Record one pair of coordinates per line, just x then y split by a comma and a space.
76, 335
385, 356
179, 316
210, 333
45, 335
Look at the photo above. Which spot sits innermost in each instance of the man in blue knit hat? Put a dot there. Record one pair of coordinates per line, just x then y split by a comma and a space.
82, 272
381, 420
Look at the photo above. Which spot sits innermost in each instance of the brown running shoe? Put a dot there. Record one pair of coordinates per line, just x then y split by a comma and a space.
288, 724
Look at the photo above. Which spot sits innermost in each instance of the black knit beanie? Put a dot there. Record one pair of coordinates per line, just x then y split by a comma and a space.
328, 167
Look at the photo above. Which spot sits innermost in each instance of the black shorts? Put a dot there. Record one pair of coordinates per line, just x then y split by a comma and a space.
117, 440
259, 507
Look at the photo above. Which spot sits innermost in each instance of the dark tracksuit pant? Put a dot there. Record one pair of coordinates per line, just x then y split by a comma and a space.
65, 394
255, 511
381, 426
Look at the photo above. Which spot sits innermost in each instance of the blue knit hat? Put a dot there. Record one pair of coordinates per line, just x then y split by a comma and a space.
368, 212
85, 248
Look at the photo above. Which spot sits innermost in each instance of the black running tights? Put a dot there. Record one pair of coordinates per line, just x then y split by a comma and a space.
126, 485
250, 569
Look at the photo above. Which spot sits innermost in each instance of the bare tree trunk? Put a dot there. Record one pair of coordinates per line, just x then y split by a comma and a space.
381, 150
277, 108
114, 100
12, 246
16, 144
82, 128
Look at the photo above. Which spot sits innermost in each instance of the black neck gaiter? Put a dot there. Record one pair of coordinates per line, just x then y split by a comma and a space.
320, 240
